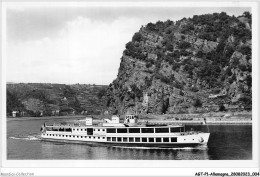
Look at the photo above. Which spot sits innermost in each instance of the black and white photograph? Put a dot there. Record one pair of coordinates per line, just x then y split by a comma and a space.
119, 83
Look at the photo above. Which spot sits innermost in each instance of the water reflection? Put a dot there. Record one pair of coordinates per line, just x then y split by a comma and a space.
157, 154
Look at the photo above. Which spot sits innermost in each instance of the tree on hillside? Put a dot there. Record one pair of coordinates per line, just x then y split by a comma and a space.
137, 92
197, 103
13, 103
101, 93
137, 37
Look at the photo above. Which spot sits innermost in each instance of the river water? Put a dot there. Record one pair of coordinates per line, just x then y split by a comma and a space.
226, 142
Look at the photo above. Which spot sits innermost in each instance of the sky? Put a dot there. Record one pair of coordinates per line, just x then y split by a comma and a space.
83, 45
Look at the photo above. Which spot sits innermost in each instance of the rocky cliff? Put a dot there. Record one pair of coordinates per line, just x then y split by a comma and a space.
193, 65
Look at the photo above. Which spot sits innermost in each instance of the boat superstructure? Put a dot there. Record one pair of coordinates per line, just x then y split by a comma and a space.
128, 133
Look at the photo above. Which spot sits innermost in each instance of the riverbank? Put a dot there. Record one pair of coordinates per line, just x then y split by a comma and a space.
43, 118
199, 122
206, 118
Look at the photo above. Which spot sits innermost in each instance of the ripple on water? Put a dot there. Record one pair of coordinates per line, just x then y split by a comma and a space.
28, 138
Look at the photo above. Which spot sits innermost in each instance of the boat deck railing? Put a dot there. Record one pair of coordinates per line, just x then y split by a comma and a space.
152, 124
72, 125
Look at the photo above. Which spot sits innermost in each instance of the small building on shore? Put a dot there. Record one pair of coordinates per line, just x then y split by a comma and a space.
211, 107
233, 108
15, 113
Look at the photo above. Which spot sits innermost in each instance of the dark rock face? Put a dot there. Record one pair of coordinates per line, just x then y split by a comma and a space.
199, 64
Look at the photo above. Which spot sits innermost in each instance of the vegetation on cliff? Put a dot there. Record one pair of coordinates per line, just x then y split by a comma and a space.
168, 65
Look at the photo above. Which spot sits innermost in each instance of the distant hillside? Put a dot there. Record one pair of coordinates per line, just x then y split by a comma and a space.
55, 99
193, 65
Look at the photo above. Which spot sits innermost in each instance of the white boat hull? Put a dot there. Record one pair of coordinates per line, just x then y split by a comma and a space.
200, 139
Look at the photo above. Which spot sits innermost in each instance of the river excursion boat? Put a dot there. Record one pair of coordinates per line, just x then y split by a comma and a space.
129, 133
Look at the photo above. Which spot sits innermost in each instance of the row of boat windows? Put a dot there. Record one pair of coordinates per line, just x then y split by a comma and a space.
74, 136
122, 139
59, 129
70, 129
125, 130
125, 139
145, 130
